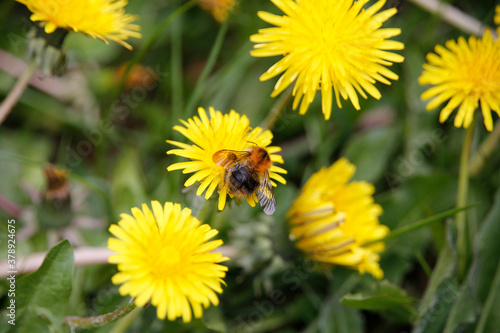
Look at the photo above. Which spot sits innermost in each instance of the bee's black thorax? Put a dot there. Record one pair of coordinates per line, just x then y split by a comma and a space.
242, 179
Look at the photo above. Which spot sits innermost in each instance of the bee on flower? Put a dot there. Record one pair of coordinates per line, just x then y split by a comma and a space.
230, 156
247, 173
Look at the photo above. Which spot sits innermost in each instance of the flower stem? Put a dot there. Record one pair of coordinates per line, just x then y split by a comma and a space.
89, 322
123, 325
485, 150
17, 91
463, 243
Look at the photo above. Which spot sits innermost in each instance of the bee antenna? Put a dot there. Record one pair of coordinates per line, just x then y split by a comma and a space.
253, 143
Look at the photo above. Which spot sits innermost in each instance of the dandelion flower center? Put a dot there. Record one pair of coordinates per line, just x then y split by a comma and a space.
476, 78
168, 260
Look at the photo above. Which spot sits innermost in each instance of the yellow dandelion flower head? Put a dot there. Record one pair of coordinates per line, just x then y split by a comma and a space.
464, 74
218, 8
328, 45
209, 135
164, 257
332, 219
101, 19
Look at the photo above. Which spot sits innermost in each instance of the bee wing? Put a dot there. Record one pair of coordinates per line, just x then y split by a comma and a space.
226, 157
265, 194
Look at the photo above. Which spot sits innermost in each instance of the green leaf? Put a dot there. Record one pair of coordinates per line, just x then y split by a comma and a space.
489, 320
480, 287
484, 276
463, 312
442, 277
370, 152
441, 292
486, 252
386, 299
338, 318
43, 295
433, 316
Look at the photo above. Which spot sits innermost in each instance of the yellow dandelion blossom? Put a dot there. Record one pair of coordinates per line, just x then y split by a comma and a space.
464, 74
101, 19
332, 219
218, 8
328, 44
164, 257
210, 135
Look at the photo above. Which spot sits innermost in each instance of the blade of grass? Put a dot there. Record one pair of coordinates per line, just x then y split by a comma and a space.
420, 224
425, 266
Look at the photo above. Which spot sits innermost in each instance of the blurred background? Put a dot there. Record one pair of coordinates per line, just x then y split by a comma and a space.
109, 135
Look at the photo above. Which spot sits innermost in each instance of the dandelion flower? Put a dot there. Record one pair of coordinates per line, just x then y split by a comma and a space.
328, 44
464, 74
164, 257
218, 8
333, 219
209, 135
101, 19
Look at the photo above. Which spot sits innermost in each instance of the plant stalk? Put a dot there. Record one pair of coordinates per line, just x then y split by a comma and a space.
17, 91
463, 241
96, 321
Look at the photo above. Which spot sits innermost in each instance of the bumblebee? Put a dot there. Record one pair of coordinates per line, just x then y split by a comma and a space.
246, 173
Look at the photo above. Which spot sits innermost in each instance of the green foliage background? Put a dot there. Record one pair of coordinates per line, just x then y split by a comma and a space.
394, 143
